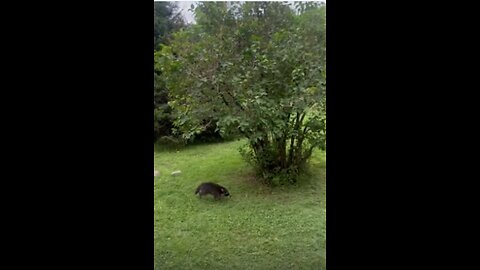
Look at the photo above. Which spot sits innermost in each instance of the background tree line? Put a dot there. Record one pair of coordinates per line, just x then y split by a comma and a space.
168, 20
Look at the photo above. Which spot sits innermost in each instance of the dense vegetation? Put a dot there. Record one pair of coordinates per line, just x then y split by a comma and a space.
257, 70
167, 20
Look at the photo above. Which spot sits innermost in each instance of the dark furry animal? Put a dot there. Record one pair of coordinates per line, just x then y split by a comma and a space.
211, 188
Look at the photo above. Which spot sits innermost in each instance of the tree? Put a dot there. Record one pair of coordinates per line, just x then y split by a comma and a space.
166, 20
259, 68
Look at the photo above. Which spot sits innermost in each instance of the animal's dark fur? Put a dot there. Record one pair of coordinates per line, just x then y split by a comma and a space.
211, 188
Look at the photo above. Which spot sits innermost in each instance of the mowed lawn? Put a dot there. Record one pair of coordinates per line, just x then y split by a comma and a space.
257, 228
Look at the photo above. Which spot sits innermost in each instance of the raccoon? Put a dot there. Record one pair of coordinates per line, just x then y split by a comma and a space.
211, 188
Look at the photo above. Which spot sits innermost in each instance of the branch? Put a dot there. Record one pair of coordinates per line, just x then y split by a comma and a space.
292, 139
305, 130
303, 116
308, 153
234, 100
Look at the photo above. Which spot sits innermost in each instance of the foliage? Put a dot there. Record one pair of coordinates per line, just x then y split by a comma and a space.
164, 118
166, 20
259, 68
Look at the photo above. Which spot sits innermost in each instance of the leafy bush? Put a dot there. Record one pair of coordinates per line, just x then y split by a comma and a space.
258, 68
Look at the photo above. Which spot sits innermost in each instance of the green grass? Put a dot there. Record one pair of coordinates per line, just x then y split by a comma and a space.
257, 228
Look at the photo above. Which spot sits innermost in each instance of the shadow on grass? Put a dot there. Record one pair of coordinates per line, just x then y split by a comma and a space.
308, 180
209, 200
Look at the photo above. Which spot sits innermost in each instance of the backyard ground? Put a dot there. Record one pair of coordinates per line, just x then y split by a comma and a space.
257, 228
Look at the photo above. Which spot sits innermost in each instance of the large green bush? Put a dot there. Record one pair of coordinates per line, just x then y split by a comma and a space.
259, 70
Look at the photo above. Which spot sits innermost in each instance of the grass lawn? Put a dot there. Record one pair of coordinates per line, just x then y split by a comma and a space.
257, 228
